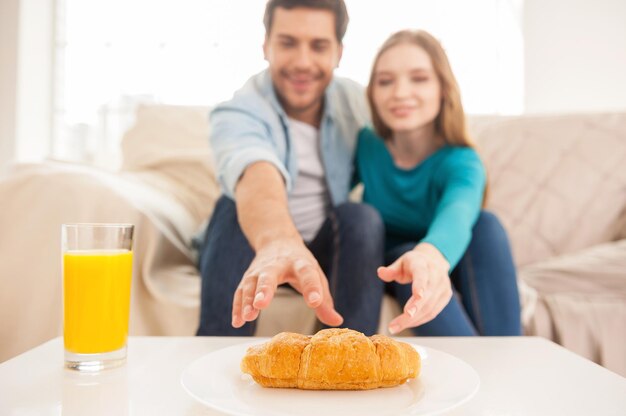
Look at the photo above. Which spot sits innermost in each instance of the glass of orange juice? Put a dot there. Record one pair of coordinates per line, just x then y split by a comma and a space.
97, 272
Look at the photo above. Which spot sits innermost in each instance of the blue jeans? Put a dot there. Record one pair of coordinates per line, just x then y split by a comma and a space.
485, 300
349, 247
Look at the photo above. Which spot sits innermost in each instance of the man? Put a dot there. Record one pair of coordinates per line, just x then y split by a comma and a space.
284, 147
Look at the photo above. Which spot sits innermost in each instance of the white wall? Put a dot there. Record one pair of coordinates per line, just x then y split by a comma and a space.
575, 55
33, 129
575, 60
26, 62
8, 77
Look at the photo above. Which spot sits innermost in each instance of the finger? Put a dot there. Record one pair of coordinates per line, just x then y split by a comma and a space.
248, 285
326, 312
328, 315
432, 308
420, 311
391, 273
265, 289
400, 323
309, 282
408, 318
411, 306
420, 275
418, 288
436, 296
237, 320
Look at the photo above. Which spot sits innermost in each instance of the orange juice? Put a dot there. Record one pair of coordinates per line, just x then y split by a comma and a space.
96, 298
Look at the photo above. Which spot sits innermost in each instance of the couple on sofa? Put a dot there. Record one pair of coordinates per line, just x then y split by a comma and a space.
289, 147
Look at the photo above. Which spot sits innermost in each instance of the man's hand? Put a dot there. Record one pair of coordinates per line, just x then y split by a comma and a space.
283, 262
281, 256
427, 271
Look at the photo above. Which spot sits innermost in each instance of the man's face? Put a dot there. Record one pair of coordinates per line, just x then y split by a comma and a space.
302, 51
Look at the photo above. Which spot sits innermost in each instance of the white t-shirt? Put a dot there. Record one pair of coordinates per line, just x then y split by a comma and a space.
309, 201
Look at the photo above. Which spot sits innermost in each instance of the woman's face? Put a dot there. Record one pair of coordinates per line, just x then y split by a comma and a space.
406, 90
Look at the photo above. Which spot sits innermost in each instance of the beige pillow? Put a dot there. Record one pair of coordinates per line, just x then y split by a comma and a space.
557, 182
168, 148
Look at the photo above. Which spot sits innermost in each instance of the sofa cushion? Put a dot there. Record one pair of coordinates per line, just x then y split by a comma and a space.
558, 183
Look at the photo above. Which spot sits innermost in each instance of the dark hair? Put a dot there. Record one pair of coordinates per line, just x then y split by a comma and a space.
338, 7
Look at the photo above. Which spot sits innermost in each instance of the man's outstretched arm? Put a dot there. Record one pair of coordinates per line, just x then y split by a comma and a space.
281, 255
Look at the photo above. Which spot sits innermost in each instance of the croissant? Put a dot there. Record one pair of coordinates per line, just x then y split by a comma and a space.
332, 359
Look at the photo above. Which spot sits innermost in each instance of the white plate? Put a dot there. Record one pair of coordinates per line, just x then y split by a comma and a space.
216, 380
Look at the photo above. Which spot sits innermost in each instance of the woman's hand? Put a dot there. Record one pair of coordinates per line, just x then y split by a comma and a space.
427, 271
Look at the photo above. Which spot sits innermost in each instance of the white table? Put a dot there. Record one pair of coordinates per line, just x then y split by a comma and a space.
519, 376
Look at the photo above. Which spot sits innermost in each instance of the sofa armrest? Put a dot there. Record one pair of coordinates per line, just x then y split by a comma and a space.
37, 199
580, 302
595, 271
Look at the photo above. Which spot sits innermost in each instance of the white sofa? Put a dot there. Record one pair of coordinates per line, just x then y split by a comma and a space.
558, 183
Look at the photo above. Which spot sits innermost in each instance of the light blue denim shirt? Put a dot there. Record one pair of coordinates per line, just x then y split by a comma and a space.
253, 127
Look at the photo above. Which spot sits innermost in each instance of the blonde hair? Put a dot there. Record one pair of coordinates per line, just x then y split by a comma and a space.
450, 123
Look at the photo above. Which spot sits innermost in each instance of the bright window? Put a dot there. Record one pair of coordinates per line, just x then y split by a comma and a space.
113, 55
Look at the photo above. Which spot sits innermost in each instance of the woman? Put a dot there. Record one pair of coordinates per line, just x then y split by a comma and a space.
421, 171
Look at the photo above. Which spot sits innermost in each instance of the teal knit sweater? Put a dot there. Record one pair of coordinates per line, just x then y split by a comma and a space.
437, 201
